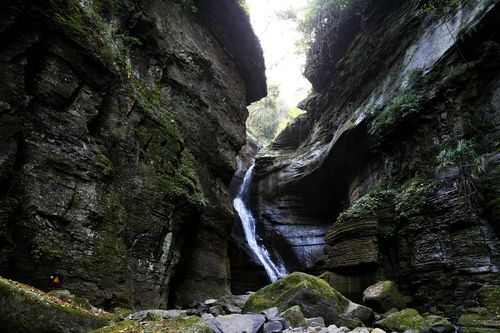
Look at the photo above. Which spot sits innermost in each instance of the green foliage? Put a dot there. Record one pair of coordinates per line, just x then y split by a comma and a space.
318, 14
470, 166
407, 103
411, 200
243, 4
270, 115
88, 28
368, 206
318, 18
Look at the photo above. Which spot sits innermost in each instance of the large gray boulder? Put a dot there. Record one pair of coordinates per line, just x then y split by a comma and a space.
383, 296
238, 323
315, 297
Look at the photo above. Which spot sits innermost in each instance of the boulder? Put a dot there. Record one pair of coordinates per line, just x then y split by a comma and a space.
294, 317
273, 327
190, 324
216, 310
271, 313
405, 320
439, 324
26, 309
315, 297
383, 296
315, 322
486, 317
237, 323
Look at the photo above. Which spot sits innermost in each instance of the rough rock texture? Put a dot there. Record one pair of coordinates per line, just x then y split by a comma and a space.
397, 157
405, 320
484, 314
191, 324
26, 309
314, 296
235, 323
119, 127
383, 296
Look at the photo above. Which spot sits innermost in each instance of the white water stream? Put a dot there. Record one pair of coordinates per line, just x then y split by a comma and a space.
274, 270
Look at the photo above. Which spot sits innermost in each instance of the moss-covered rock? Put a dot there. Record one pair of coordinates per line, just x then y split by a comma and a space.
315, 297
405, 320
484, 319
439, 324
294, 317
383, 296
26, 309
191, 324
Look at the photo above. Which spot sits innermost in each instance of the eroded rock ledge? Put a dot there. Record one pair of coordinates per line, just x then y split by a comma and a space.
119, 127
395, 90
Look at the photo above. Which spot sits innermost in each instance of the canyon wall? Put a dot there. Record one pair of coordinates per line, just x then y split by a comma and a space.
119, 128
393, 173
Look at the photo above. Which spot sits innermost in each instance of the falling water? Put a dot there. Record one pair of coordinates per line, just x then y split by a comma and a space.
274, 271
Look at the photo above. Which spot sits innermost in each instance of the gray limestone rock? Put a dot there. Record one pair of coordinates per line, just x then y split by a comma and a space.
238, 323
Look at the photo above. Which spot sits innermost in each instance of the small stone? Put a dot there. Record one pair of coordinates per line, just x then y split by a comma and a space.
273, 327
294, 317
361, 330
315, 322
271, 313
335, 329
216, 310
210, 302
377, 330
231, 308
207, 316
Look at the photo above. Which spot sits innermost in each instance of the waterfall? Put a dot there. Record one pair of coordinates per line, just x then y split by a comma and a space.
274, 270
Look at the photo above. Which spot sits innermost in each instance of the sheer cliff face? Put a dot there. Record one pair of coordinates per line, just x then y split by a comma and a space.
119, 128
397, 159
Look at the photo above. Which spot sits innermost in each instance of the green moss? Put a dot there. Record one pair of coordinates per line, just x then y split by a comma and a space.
408, 102
276, 294
90, 30
439, 324
191, 324
368, 206
412, 198
487, 317
45, 248
407, 319
46, 302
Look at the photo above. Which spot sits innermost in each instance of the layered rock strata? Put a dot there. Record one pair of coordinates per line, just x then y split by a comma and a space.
397, 159
119, 128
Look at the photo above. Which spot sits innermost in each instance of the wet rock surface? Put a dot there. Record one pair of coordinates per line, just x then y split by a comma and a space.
119, 128
356, 189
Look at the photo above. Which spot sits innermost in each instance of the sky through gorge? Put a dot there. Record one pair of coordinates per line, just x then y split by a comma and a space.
278, 39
